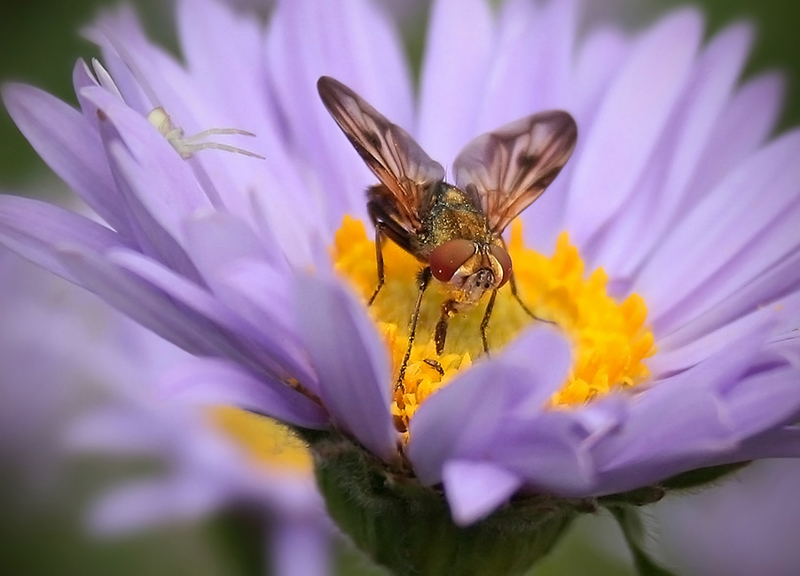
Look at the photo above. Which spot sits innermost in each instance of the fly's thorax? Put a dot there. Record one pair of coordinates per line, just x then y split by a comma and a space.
452, 216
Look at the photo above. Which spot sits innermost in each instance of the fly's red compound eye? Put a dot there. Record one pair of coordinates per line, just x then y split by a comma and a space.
505, 262
449, 257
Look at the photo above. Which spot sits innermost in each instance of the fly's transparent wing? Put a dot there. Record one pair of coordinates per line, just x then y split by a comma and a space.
504, 171
405, 170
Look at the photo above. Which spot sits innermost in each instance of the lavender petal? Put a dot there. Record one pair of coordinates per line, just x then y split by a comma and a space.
459, 44
475, 489
37, 230
469, 419
209, 381
630, 121
66, 141
351, 363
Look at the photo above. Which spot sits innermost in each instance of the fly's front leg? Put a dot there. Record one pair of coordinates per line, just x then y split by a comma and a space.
423, 280
440, 335
513, 283
514, 293
379, 236
485, 321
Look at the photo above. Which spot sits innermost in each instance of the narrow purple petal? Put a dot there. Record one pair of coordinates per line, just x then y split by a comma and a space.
549, 452
261, 293
82, 77
761, 275
630, 122
764, 189
158, 188
689, 347
225, 55
264, 296
743, 126
457, 56
214, 240
119, 36
208, 381
757, 403
161, 179
601, 54
68, 144
37, 231
654, 443
144, 503
236, 338
446, 426
744, 526
154, 241
350, 360
113, 430
777, 443
290, 214
600, 59
531, 69
301, 547
471, 415
149, 77
647, 216
476, 489
716, 74
509, 89
224, 52
356, 44
775, 292
173, 308
146, 304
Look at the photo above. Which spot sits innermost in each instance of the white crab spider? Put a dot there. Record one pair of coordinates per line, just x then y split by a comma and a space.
186, 146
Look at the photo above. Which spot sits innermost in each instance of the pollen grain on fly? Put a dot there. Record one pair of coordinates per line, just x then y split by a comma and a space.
610, 339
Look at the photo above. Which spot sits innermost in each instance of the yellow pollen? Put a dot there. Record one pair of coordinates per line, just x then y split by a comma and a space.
267, 443
610, 340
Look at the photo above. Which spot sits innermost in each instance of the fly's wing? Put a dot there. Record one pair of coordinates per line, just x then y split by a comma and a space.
407, 173
504, 171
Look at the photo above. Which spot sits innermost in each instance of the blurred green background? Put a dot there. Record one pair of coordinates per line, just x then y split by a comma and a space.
42, 534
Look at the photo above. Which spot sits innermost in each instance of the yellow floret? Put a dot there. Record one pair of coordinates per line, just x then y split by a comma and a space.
610, 339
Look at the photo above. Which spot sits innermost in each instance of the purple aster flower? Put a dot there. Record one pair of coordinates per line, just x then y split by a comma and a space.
663, 259
79, 375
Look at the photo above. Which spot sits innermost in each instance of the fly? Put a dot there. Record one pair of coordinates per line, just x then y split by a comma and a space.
454, 231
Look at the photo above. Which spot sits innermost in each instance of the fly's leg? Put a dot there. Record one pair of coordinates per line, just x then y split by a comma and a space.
435, 365
379, 235
513, 282
440, 335
515, 294
485, 321
423, 280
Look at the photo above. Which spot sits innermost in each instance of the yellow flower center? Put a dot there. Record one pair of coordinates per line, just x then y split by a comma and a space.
609, 338
266, 442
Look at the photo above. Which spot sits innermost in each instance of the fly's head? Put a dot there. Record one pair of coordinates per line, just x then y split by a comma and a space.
470, 268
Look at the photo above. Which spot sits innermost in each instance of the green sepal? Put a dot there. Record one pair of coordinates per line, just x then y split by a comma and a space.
407, 527
702, 476
633, 530
638, 497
